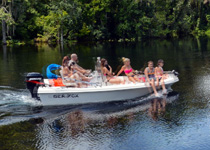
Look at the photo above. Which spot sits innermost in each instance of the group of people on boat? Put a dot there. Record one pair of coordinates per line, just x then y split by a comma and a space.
71, 69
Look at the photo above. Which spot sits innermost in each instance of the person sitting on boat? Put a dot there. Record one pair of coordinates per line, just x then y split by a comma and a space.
160, 75
107, 71
128, 70
73, 61
150, 76
70, 74
67, 73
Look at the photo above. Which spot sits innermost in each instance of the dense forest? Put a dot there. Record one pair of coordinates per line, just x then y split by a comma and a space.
99, 20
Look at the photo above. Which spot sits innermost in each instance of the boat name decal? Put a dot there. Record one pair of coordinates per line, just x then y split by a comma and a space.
66, 96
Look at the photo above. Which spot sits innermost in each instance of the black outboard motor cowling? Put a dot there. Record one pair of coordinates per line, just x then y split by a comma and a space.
175, 72
33, 81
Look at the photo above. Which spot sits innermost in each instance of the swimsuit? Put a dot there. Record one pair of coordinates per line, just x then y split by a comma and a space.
151, 73
160, 72
127, 71
107, 67
108, 76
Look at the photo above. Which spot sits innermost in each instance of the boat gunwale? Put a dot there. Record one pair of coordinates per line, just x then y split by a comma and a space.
109, 88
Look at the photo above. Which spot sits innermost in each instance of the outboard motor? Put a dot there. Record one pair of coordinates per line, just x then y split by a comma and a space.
175, 72
33, 81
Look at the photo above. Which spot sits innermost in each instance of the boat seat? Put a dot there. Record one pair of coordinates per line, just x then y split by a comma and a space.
66, 82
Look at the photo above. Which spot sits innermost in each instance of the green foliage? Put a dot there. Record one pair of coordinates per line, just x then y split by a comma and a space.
208, 32
92, 20
5, 15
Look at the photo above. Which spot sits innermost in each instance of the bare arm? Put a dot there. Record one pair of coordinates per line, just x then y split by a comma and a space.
121, 70
146, 74
156, 71
104, 70
78, 68
110, 69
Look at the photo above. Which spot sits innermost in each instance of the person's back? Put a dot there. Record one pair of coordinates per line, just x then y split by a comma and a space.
65, 69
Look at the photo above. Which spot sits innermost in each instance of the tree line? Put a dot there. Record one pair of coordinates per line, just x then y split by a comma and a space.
102, 20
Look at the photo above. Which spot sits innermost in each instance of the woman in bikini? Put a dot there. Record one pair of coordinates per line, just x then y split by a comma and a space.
107, 71
160, 76
69, 73
150, 76
128, 70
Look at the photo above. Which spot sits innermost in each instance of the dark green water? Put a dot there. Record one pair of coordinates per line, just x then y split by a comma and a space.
179, 121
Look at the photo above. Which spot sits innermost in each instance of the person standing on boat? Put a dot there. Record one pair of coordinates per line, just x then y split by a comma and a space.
73, 61
150, 76
128, 70
160, 76
107, 72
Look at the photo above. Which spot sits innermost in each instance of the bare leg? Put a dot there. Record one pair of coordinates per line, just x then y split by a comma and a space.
163, 84
157, 82
122, 80
115, 81
84, 78
137, 79
163, 87
76, 77
152, 82
132, 79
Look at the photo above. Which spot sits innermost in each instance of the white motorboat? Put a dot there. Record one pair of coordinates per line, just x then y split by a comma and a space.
51, 94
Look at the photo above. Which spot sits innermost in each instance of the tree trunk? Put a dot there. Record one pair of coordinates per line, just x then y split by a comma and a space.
4, 32
61, 35
5, 53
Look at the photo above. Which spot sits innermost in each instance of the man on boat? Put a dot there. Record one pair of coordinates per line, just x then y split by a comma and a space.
73, 62
150, 76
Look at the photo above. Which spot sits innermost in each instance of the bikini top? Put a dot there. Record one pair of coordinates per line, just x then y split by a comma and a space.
107, 67
127, 71
160, 72
66, 73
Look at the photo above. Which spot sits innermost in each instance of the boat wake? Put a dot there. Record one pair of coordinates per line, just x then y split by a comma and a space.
16, 105
12, 96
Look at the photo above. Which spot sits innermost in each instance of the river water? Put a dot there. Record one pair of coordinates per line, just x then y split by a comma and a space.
178, 121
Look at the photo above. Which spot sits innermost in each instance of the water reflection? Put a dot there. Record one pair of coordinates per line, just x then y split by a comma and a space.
21, 59
76, 122
152, 124
157, 108
82, 127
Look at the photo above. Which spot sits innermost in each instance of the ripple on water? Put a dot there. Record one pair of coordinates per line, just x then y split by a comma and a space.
15, 105
83, 128
16, 97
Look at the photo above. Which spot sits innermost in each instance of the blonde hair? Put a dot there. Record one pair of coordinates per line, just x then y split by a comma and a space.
125, 59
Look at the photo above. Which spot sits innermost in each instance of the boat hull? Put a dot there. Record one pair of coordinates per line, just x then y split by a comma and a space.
73, 96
